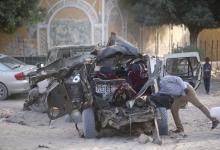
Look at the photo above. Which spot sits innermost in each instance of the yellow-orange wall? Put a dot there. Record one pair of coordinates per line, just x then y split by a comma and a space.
143, 37
209, 41
17, 43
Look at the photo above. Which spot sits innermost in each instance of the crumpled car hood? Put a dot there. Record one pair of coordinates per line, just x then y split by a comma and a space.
122, 47
60, 63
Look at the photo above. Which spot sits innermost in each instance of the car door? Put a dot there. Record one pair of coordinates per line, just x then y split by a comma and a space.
185, 65
58, 100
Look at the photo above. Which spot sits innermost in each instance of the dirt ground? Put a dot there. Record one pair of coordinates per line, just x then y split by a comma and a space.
31, 131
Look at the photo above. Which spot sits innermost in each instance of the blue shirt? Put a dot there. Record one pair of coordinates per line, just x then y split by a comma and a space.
207, 68
172, 85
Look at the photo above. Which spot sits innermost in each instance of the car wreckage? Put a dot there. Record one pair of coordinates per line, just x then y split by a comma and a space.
108, 88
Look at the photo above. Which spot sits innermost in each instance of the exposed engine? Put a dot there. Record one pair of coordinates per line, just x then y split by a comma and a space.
105, 88
115, 84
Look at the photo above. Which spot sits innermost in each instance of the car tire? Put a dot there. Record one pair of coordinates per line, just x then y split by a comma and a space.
163, 121
88, 121
3, 92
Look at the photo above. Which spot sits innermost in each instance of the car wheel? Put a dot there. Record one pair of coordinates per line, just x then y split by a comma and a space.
163, 121
88, 121
3, 92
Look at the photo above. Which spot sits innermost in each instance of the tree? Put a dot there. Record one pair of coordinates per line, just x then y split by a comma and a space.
16, 13
194, 14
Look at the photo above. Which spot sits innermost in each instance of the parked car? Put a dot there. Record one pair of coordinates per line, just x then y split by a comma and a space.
13, 76
186, 65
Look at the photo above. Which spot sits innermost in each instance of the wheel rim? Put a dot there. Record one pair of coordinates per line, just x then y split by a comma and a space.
2, 91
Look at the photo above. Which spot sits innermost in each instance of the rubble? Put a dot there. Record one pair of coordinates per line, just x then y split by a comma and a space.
143, 139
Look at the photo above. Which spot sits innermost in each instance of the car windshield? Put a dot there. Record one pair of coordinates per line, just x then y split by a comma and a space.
67, 52
186, 66
11, 63
52, 56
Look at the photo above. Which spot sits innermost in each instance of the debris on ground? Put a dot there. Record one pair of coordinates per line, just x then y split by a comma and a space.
29, 119
143, 139
43, 146
5, 113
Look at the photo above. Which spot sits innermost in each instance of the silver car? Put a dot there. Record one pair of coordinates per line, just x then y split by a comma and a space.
13, 76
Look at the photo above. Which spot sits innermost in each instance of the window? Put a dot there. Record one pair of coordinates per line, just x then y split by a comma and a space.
4, 68
182, 66
11, 62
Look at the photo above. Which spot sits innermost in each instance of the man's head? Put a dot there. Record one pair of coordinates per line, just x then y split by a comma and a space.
207, 59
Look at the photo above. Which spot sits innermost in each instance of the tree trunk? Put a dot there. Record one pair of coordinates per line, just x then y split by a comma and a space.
194, 32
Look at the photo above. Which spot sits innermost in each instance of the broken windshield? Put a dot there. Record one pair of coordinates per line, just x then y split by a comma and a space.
66, 52
186, 66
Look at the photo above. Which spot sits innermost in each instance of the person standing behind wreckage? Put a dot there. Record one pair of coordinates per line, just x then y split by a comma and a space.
183, 93
207, 68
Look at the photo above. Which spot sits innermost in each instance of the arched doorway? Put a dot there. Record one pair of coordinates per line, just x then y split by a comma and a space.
115, 22
48, 34
70, 26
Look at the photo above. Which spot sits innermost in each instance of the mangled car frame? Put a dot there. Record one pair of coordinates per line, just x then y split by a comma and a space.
105, 89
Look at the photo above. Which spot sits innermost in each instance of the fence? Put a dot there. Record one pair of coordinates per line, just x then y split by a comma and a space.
211, 49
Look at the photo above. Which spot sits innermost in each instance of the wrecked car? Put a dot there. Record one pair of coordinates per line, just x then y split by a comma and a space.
186, 65
106, 90
36, 100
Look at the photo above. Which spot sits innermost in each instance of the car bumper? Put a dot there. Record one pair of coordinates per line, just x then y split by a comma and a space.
17, 87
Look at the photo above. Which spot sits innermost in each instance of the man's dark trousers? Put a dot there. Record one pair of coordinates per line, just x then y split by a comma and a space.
207, 84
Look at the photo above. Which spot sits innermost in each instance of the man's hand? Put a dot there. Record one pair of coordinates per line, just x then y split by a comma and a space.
186, 91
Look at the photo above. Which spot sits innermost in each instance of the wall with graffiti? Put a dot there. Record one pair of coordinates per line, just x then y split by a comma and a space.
70, 32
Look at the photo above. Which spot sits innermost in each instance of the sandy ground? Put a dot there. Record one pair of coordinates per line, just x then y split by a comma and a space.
31, 131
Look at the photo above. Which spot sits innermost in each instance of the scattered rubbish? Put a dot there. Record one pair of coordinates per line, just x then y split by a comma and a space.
143, 139
43, 146
5, 113
22, 123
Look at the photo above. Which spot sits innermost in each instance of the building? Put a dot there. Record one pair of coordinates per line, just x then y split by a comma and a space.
76, 22
209, 42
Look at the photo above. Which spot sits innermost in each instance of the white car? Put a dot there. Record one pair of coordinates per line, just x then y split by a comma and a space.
13, 76
186, 65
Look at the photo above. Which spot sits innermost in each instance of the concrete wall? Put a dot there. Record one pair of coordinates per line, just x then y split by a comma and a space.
161, 40
23, 42
70, 26
209, 41
90, 22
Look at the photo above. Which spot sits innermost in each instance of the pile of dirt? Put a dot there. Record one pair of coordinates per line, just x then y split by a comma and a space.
5, 113
29, 118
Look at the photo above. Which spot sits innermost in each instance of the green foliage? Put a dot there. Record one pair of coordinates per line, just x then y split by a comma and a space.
16, 13
189, 49
195, 14
150, 12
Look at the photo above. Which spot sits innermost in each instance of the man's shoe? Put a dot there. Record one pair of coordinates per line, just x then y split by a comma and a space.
215, 123
177, 131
